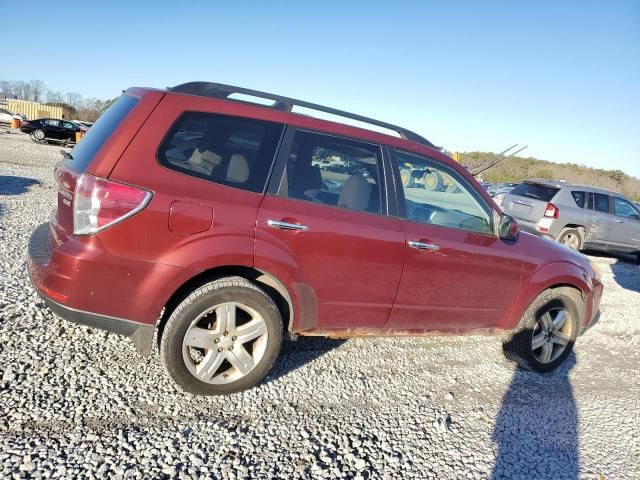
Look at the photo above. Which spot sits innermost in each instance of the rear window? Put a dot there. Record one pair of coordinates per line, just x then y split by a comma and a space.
98, 134
232, 151
599, 202
579, 197
534, 190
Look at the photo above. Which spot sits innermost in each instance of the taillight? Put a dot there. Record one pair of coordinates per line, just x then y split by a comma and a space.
99, 203
552, 211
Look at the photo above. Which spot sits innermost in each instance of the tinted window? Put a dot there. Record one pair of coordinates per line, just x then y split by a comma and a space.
533, 190
599, 202
624, 208
439, 196
96, 137
232, 151
51, 122
333, 171
579, 197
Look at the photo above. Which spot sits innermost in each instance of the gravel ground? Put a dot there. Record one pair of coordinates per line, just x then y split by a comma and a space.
78, 402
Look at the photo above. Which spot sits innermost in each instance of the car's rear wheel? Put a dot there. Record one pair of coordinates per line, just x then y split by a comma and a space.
38, 135
223, 338
572, 238
547, 331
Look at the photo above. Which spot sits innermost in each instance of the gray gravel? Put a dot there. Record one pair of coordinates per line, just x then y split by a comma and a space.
78, 402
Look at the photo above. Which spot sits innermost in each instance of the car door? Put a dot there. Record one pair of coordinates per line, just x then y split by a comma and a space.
457, 273
601, 223
325, 233
68, 131
52, 128
626, 233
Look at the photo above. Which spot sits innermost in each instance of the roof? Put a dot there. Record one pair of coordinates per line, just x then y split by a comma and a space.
563, 183
221, 91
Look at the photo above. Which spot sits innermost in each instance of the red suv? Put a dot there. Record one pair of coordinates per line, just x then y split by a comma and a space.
225, 223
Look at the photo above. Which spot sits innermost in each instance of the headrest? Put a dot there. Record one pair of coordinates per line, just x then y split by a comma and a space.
355, 193
238, 171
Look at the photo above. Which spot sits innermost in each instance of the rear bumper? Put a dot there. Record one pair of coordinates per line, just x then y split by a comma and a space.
530, 227
140, 333
84, 284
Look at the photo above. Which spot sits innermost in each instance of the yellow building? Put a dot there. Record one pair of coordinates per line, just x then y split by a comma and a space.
33, 110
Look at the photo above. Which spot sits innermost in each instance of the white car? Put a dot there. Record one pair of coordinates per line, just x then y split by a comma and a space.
5, 115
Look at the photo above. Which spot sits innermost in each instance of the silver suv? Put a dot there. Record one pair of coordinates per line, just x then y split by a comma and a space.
578, 216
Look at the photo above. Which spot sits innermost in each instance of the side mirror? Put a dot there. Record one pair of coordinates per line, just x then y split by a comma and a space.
508, 227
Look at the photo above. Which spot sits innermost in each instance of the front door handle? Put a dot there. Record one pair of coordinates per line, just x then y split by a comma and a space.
424, 246
287, 226
619, 221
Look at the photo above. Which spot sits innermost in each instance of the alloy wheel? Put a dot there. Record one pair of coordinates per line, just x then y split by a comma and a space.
571, 240
224, 343
551, 335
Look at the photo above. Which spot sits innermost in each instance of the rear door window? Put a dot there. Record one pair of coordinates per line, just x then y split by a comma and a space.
333, 171
98, 134
599, 202
233, 151
534, 190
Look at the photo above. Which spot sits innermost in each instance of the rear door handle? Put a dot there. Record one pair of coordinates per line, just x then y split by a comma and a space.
424, 246
287, 226
619, 221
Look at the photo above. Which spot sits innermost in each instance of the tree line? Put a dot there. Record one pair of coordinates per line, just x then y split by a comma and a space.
73, 104
516, 169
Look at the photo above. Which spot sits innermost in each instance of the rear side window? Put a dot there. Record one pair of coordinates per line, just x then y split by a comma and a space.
599, 202
232, 151
534, 190
98, 134
579, 197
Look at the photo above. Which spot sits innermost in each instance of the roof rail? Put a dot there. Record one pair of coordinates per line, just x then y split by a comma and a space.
286, 104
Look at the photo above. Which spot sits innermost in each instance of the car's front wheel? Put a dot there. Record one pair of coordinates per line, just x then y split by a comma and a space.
223, 338
547, 331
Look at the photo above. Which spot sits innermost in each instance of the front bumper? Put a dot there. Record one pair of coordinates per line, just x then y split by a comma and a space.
55, 288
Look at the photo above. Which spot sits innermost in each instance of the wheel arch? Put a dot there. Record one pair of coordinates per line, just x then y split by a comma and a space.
564, 276
265, 280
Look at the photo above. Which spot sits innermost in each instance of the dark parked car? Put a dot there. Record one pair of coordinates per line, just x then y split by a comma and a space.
45, 129
210, 220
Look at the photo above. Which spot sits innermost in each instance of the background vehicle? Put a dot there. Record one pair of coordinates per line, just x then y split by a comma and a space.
51, 129
578, 216
216, 212
5, 115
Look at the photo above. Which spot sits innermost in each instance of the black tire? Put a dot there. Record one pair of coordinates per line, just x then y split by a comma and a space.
572, 238
433, 181
230, 289
519, 348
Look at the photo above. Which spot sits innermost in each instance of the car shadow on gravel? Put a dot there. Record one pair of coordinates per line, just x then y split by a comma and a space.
10, 185
627, 275
537, 427
296, 354
626, 271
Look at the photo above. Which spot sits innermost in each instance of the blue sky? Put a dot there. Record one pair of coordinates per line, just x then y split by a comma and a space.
561, 77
